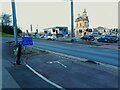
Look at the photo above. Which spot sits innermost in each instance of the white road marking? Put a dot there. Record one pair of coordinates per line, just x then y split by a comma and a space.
38, 74
77, 58
61, 64
58, 63
61, 54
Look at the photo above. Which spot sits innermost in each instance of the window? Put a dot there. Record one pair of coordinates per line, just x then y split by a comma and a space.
45, 31
87, 30
77, 25
77, 33
56, 32
86, 24
104, 30
61, 28
64, 30
90, 30
80, 31
80, 25
53, 30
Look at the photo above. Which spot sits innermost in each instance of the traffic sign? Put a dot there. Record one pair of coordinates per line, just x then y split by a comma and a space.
27, 41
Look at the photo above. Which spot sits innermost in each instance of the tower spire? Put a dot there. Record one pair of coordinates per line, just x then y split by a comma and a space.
85, 12
78, 14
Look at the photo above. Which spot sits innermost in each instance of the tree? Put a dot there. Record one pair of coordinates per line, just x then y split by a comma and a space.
6, 24
6, 19
9, 30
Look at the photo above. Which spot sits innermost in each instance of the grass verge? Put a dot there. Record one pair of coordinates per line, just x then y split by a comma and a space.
5, 35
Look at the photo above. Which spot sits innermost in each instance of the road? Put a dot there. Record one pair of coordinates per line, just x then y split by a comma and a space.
108, 56
99, 54
57, 69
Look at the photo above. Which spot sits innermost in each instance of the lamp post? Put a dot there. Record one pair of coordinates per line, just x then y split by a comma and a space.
14, 21
31, 29
72, 19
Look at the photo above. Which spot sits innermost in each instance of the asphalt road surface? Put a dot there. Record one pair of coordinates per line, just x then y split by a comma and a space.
18, 76
57, 72
70, 73
103, 55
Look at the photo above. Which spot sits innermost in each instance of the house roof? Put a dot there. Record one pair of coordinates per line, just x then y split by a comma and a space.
55, 27
81, 19
78, 19
99, 28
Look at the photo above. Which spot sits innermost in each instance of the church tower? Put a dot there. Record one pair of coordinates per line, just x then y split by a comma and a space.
85, 19
85, 12
82, 24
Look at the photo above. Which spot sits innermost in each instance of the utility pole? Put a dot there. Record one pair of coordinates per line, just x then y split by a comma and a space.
14, 21
72, 19
31, 29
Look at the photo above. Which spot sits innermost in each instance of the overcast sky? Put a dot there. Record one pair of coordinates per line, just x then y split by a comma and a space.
57, 13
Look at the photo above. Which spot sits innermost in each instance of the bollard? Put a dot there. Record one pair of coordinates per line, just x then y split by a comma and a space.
19, 54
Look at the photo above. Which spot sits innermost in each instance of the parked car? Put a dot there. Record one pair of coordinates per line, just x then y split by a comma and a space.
108, 38
50, 37
88, 37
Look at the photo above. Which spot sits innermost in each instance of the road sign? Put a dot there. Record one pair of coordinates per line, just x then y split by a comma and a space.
27, 41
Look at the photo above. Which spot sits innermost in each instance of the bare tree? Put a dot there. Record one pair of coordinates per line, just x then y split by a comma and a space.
5, 19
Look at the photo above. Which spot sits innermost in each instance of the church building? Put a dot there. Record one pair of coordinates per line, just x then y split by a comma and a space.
82, 25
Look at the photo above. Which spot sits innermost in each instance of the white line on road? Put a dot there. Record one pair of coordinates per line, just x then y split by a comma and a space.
61, 64
77, 58
61, 54
45, 79
58, 63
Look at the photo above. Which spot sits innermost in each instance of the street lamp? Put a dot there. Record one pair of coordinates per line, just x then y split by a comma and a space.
14, 21
72, 19
31, 29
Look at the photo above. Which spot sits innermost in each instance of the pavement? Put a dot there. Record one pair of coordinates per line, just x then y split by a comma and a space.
18, 76
7, 80
56, 70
